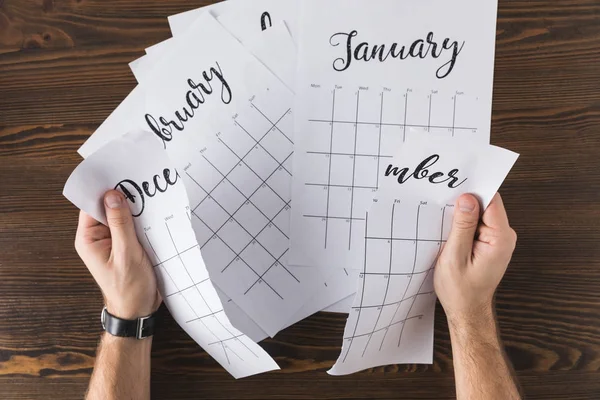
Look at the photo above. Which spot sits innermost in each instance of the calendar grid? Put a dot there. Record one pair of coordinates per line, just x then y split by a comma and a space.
248, 200
180, 291
237, 255
329, 171
379, 142
454, 116
379, 307
405, 112
387, 284
347, 179
353, 170
425, 126
428, 271
259, 144
243, 157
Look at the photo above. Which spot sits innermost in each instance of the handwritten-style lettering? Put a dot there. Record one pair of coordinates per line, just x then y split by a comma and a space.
422, 171
420, 48
264, 19
136, 194
194, 98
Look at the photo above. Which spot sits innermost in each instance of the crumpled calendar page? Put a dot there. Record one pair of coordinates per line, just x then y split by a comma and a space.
370, 75
137, 165
391, 320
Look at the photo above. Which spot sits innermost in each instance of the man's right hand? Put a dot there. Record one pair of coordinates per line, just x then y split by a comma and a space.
474, 260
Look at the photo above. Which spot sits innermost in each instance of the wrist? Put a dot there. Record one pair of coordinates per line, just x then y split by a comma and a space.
132, 311
478, 319
132, 350
126, 342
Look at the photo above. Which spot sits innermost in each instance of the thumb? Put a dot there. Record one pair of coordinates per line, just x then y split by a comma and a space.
464, 226
120, 221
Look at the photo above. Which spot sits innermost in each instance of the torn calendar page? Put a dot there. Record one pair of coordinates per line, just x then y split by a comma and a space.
391, 320
159, 49
240, 212
241, 17
240, 319
343, 306
371, 75
235, 163
225, 71
446, 168
130, 114
339, 283
135, 65
136, 165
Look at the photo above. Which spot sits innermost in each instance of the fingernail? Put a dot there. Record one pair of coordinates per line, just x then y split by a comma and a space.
113, 201
466, 204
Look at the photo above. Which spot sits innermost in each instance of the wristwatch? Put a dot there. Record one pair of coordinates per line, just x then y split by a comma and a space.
139, 328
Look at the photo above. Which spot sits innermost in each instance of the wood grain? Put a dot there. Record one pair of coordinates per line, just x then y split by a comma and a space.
63, 69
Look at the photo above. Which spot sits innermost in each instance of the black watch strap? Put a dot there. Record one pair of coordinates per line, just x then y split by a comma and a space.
140, 328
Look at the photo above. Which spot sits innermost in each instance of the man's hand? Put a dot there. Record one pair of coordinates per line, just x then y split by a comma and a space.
474, 259
117, 261
466, 276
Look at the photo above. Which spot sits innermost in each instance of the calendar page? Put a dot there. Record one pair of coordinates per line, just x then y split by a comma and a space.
363, 89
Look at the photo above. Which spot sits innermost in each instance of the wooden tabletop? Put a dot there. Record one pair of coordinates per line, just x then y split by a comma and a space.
63, 69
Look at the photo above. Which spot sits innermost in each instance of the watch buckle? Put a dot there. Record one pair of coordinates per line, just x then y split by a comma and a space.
140, 327
103, 318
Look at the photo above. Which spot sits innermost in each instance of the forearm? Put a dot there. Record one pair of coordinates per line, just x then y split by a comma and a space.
481, 368
122, 369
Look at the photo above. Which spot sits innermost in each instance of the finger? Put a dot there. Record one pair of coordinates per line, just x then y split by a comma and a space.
464, 226
120, 221
96, 233
85, 225
86, 221
495, 215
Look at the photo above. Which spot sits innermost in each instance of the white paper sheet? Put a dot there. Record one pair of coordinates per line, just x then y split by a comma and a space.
392, 315
269, 39
240, 319
164, 230
241, 214
276, 51
135, 65
273, 47
124, 118
242, 18
391, 320
338, 284
353, 114
343, 306
445, 168
159, 49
